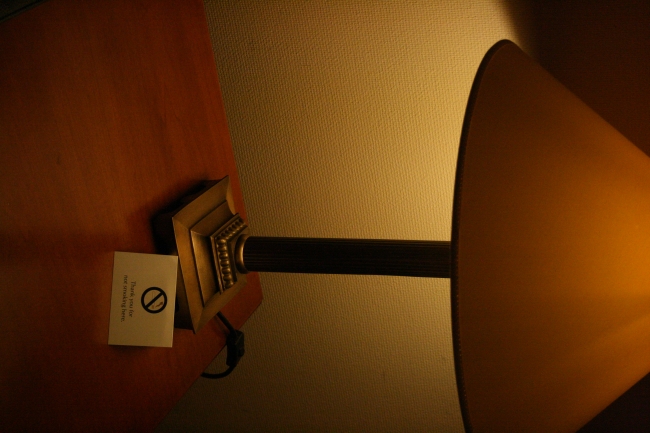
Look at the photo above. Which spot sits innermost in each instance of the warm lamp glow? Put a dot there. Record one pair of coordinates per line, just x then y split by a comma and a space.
551, 261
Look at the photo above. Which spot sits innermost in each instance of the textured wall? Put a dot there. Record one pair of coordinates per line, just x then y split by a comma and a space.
345, 119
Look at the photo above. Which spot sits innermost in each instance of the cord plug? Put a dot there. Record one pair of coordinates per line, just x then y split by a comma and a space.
234, 349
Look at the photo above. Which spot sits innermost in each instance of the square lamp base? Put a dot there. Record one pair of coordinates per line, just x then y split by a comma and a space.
203, 232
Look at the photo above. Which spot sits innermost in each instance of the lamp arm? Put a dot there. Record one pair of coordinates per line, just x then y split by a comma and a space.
344, 256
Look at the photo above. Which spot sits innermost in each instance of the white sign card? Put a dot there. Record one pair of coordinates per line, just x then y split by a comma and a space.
143, 300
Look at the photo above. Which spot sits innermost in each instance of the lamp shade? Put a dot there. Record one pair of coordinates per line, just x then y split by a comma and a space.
550, 254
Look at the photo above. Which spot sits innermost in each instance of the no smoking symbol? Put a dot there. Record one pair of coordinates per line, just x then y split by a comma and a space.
154, 300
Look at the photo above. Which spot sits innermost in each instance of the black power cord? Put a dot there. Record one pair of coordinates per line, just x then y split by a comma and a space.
234, 346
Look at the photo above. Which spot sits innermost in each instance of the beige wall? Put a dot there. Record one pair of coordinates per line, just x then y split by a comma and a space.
345, 119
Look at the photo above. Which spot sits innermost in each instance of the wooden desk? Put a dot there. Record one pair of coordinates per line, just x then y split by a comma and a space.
108, 112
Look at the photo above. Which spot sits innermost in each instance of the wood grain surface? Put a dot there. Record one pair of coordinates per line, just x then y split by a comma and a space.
109, 111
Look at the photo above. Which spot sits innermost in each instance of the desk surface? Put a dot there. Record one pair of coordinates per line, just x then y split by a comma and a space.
109, 111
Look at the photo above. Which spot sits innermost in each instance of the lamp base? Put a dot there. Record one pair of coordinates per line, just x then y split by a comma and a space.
203, 231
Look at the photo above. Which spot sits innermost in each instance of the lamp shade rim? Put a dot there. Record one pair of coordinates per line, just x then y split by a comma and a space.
455, 234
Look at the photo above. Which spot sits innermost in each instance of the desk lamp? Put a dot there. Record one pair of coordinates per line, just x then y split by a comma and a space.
549, 256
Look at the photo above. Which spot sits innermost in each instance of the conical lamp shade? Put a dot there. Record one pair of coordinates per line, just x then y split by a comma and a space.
550, 254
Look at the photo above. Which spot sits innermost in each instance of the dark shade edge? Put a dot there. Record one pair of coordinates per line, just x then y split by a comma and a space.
455, 231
